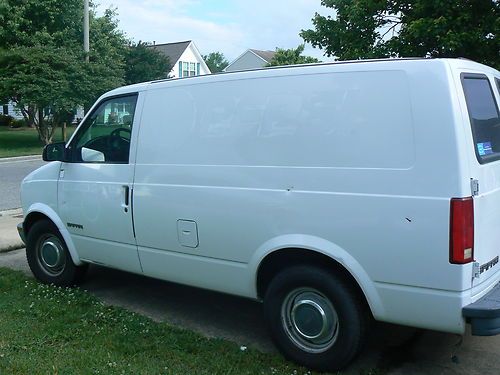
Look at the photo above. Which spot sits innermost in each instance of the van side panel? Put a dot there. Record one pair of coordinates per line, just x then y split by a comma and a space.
364, 158
307, 120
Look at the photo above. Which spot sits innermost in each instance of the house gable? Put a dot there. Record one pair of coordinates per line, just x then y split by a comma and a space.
267, 56
184, 57
184, 64
250, 59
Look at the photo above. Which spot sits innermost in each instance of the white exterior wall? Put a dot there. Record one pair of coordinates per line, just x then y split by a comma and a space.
190, 55
15, 113
248, 60
12, 111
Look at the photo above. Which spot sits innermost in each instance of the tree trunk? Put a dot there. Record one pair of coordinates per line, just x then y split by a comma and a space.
45, 132
39, 127
46, 129
31, 116
27, 112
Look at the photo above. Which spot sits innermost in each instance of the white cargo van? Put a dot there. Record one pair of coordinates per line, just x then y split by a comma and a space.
332, 192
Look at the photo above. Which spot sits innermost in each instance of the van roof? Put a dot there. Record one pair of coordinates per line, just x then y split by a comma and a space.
456, 62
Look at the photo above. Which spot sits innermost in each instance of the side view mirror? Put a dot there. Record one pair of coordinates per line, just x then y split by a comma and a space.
92, 156
54, 152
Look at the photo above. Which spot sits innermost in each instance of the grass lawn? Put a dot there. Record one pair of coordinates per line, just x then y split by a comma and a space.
24, 141
49, 330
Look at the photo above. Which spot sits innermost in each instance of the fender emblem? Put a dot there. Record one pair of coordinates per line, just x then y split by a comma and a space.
76, 226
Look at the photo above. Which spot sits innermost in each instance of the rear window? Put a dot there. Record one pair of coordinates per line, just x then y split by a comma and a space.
484, 118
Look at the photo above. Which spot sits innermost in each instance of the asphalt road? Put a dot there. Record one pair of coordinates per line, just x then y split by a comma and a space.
392, 349
12, 172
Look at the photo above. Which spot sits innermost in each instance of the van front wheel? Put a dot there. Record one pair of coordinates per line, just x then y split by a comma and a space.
315, 317
48, 256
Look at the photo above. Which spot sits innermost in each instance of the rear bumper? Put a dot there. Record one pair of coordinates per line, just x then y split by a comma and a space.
484, 314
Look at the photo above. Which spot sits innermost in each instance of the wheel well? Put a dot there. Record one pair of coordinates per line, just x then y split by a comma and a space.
278, 260
31, 219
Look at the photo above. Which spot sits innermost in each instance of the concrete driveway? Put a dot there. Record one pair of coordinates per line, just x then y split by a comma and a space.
394, 349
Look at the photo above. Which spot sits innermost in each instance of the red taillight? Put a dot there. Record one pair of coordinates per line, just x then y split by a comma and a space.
461, 230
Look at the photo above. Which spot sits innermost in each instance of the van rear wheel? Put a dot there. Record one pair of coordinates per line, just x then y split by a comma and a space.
315, 317
48, 256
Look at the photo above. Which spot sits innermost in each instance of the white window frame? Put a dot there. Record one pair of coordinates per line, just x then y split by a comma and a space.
188, 69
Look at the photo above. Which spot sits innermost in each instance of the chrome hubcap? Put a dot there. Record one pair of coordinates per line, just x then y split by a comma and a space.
51, 255
310, 320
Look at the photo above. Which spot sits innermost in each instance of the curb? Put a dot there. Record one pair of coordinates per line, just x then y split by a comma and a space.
20, 158
12, 248
10, 239
11, 212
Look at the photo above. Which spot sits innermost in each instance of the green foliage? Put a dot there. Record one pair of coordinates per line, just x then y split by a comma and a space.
42, 63
6, 120
291, 56
216, 61
18, 123
143, 63
32, 74
32, 22
387, 28
108, 44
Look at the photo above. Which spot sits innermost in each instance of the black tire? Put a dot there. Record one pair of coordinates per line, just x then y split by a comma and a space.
48, 256
292, 306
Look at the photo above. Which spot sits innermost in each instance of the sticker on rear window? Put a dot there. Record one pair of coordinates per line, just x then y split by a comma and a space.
484, 148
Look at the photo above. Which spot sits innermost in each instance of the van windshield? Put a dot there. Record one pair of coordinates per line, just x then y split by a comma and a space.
484, 117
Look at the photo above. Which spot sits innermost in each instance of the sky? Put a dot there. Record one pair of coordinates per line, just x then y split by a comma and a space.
230, 27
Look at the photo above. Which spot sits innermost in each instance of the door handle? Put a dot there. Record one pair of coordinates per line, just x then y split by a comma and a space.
126, 191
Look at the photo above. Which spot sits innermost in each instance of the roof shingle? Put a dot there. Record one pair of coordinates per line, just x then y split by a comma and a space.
266, 55
173, 51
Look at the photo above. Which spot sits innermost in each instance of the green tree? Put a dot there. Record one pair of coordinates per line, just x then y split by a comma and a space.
143, 63
291, 56
42, 60
216, 61
41, 85
396, 28
108, 44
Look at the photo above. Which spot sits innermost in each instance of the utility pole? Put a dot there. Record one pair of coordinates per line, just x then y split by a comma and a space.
86, 42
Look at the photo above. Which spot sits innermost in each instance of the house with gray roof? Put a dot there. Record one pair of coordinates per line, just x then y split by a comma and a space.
184, 57
251, 59
10, 110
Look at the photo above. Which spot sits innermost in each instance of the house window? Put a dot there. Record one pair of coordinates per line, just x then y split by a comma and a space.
5, 109
188, 69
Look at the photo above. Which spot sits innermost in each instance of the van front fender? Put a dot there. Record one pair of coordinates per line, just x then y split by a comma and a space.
40, 208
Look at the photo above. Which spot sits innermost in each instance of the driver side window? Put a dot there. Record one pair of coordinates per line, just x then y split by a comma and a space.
105, 135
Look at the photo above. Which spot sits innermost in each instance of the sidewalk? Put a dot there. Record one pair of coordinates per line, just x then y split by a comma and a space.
9, 238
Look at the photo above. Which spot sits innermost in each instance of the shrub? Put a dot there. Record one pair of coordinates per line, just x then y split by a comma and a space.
6, 120
16, 124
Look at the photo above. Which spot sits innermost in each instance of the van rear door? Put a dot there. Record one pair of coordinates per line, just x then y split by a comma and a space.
482, 97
